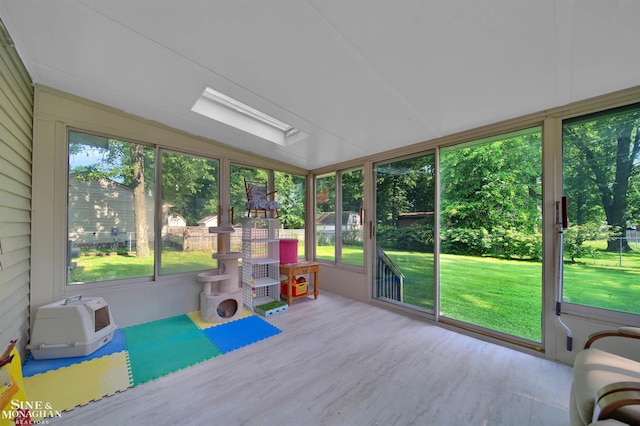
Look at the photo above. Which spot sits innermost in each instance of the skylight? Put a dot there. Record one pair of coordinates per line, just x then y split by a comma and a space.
225, 109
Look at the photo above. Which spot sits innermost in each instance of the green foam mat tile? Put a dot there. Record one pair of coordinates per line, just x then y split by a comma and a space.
161, 347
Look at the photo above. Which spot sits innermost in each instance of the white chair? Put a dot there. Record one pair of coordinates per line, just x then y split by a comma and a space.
606, 387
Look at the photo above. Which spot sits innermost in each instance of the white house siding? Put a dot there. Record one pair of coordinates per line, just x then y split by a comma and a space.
16, 121
97, 207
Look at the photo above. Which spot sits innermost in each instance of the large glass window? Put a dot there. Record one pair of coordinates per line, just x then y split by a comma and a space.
601, 181
352, 211
291, 196
491, 234
240, 175
404, 262
110, 209
326, 217
290, 193
340, 225
189, 208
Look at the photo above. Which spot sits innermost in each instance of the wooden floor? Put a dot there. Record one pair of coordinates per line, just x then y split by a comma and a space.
340, 362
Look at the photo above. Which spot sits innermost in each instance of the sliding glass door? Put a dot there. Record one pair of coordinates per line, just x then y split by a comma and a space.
487, 247
491, 235
403, 258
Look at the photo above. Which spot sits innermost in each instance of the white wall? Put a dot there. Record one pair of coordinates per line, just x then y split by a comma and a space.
351, 284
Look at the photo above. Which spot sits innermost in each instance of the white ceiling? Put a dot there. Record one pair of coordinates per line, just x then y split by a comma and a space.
359, 76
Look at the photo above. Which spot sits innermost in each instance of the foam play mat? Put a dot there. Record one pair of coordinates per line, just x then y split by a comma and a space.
136, 355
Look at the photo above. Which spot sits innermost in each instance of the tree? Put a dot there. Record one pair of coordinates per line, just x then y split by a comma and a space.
404, 186
491, 196
352, 186
609, 146
190, 186
493, 186
139, 201
123, 162
326, 193
290, 194
582, 194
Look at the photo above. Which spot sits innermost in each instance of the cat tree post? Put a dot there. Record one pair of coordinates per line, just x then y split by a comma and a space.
221, 297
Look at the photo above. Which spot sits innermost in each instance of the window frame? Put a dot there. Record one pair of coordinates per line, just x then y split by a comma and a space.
159, 222
338, 253
487, 140
584, 114
224, 182
155, 222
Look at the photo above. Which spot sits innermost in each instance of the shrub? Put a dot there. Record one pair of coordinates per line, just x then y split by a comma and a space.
352, 237
415, 237
325, 239
466, 241
512, 244
575, 236
505, 243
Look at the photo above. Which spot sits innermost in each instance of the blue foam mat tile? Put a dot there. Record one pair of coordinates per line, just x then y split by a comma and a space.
236, 334
36, 366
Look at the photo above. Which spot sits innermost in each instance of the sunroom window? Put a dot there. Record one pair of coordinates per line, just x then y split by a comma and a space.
340, 225
113, 209
601, 165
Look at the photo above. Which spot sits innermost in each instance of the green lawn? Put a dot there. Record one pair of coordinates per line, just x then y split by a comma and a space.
497, 294
604, 258
351, 255
104, 268
503, 295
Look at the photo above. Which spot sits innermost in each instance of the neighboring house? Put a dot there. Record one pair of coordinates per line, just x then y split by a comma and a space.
175, 219
326, 224
406, 219
208, 221
327, 221
101, 212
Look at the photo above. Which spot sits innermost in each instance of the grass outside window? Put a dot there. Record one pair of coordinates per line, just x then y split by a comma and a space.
471, 283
